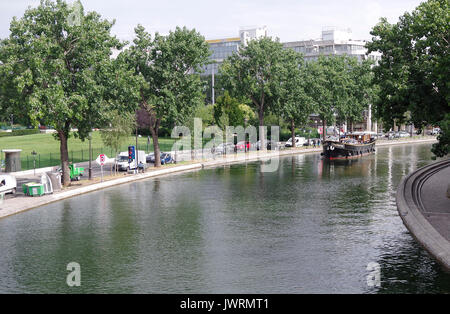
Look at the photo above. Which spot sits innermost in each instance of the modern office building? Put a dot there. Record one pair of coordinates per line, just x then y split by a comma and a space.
223, 48
334, 41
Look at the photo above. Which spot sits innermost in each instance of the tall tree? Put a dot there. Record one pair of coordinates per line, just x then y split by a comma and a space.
168, 65
415, 66
334, 85
57, 59
296, 102
362, 91
254, 73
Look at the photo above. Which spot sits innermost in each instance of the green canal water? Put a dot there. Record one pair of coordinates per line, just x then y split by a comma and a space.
311, 227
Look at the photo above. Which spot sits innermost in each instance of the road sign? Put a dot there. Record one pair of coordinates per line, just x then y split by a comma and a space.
102, 159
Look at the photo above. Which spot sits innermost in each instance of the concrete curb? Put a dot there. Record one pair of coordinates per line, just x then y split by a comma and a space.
409, 206
394, 142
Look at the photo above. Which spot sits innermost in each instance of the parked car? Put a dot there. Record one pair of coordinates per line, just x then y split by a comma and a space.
241, 145
8, 184
224, 148
166, 158
402, 134
435, 131
310, 142
123, 164
269, 145
390, 135
299, 141
150, 158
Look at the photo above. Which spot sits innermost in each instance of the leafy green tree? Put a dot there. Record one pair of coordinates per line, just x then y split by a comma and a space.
168, 65
235, 112
415, 66
121, 125
296, 102
57, 61
253, 73
337, 91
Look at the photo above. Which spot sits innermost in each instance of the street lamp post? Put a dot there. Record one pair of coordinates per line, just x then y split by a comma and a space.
212, 83
90, 155
34, 161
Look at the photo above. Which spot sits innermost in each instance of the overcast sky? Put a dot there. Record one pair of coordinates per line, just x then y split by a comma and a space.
288, 20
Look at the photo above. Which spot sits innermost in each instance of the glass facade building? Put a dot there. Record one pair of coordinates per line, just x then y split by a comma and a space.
220, 50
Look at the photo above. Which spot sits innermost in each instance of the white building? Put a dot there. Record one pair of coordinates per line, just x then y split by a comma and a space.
334, 41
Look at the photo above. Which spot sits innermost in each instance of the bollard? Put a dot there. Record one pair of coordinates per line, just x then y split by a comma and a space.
448, 191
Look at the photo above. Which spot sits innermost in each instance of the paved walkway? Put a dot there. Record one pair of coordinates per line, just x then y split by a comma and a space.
425, 209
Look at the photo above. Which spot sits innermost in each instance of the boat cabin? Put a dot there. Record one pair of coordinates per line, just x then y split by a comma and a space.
359, 137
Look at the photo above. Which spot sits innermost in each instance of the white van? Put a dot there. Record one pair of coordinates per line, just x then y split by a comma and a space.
8, 184
122, 161
299, 141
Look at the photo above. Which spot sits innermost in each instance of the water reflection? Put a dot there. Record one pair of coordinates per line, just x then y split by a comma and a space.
311, 227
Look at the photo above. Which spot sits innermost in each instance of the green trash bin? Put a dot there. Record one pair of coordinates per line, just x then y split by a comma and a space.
33, 189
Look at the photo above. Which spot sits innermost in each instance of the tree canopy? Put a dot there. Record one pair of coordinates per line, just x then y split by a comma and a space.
254, 73
171, 90
58, 70
415, 66
296, 100
343, 87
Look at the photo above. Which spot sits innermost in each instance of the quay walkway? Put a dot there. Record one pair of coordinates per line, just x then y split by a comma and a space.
424, 207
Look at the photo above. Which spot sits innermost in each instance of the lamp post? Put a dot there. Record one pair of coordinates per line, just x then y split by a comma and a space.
212, 83
90, 155
34, 161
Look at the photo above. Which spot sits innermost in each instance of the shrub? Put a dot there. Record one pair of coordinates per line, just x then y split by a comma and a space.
20, 132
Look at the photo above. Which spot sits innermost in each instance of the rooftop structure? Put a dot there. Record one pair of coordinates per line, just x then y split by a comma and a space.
334, 41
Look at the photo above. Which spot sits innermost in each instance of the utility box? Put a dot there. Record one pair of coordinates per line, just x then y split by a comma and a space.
12, 160
33, 189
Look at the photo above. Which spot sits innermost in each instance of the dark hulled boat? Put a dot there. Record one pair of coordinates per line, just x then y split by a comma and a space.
354, 145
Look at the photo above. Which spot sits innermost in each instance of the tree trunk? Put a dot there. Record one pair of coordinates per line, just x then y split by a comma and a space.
324, 130
154, 132
293, 133
64, 158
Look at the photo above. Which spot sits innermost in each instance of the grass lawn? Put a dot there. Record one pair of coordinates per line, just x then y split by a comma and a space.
47, 148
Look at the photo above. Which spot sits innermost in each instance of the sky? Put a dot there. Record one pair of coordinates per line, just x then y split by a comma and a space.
289, 20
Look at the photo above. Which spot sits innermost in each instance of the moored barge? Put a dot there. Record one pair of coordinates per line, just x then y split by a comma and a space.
353, 145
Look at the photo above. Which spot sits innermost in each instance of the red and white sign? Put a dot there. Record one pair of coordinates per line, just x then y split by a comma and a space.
102, 159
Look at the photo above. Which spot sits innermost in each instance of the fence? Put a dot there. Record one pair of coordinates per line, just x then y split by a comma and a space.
54, 159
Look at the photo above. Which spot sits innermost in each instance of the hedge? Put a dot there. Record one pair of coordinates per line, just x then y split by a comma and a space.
20, 132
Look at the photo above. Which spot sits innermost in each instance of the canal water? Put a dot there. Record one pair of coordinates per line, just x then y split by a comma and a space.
311, 227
